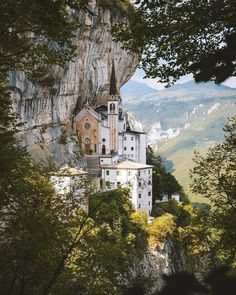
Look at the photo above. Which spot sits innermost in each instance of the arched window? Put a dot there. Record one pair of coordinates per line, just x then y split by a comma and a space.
112, 108
104, 149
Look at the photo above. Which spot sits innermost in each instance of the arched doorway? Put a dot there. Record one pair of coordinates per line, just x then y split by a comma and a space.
103, 149
87, 146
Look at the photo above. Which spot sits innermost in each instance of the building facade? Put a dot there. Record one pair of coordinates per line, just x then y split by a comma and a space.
111, 137
136, 176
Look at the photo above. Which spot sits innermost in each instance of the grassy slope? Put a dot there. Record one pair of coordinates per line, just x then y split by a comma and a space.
203, 133
173, 108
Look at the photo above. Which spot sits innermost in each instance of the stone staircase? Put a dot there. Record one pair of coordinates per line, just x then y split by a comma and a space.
93, 166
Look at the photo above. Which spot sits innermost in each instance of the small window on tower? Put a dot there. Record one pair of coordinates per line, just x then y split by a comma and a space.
132, 148
125, 138
112, 108
132, 138
107, 172
125, 148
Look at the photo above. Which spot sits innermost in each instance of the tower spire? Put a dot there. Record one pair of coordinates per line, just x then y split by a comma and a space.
113, 87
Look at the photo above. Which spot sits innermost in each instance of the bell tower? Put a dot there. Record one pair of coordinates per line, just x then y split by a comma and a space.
112, 111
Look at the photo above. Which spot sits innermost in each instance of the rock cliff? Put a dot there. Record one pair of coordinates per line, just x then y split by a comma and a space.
48, 106
167, 259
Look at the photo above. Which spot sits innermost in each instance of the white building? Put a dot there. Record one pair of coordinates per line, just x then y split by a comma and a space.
114, 143
108, 130
135, 176
71, 180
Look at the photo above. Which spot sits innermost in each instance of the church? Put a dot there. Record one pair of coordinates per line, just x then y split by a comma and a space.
110, 136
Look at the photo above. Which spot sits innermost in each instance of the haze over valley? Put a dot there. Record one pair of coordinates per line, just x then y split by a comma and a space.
181, 119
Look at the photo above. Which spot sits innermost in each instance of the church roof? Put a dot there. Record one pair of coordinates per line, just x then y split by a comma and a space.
126, 164
113, 88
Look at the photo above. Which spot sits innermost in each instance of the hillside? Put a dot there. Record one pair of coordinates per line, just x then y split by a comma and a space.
184, 118
133, 89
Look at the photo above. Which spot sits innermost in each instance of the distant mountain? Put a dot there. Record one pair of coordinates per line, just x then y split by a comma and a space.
134, 89
184, 118
193, 85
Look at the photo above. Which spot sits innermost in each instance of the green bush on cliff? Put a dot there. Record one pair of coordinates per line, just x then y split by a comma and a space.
117, 7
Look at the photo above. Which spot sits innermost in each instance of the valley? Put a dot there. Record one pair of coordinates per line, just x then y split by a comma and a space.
181, 119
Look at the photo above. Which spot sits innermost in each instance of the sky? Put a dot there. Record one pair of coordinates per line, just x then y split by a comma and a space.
138, 76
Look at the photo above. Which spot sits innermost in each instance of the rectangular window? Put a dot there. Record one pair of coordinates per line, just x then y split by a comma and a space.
125, 138
119, 185
139, 205
132, 148
132, 138
129, 173
107, 172
108, 183
139, 173
139, 184
139, 196
117, 173
149, 172
149, 203
149, 182
149, 193
125, 148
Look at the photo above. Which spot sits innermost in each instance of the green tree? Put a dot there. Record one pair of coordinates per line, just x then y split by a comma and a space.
214, 177
107, 252
162, 181
35, 34
181, 37
181, 213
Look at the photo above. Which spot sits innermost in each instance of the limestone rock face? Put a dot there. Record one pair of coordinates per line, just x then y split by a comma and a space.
47, 107
167, 259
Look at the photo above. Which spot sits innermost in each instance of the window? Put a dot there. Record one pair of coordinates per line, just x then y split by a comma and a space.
139, 196
103, 140
129, 173
119, 184
125, 138
108, 183
125, 148
87, 126
149, 172
107, 172
139, 184
117, 173
132, 148
112, 108
149, 203
149, 182
132, 138
139, 173
139, 205
149, 193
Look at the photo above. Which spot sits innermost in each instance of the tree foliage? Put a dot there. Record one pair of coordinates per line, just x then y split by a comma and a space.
181, 37
214, 177
162, 181
35, 34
